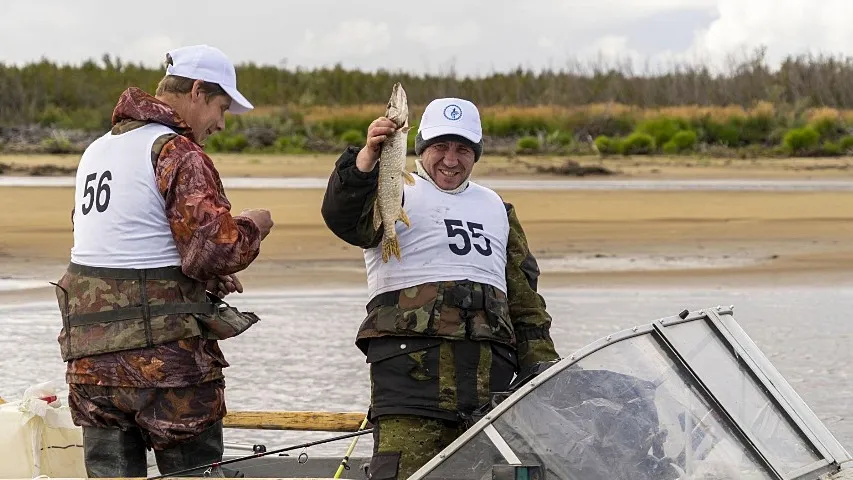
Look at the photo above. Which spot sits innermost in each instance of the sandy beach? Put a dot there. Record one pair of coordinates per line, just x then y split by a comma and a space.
581, 238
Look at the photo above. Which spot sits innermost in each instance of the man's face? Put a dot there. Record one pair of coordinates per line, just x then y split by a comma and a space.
449, 163
205, 116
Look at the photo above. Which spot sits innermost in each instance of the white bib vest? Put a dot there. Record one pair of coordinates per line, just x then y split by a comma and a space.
119, 214
459, 236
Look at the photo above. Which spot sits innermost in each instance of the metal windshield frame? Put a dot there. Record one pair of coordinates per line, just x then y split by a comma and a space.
805, 423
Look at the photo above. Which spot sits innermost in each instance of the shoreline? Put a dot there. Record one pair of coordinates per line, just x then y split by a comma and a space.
265, 165
596, 238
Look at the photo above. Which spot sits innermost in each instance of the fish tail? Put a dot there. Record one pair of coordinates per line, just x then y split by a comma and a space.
390, 246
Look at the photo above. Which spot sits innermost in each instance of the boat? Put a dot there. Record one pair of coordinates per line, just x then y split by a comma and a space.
689, 396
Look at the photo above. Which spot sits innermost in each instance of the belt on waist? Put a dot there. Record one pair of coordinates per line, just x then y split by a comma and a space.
159, 273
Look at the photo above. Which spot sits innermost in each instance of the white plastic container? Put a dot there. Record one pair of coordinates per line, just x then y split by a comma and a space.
38, 438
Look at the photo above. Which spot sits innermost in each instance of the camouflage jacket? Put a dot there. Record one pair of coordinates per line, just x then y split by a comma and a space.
523, 322
210, 241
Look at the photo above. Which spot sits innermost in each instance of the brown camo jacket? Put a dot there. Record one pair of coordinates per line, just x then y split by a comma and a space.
209, 239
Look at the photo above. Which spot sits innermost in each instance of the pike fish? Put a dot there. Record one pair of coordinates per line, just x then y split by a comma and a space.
388, 207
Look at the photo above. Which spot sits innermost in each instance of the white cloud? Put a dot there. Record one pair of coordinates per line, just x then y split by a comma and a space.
150, 49
586, 15
785, 27
476, 36
449, 35
545, 43
358, 38
612, 51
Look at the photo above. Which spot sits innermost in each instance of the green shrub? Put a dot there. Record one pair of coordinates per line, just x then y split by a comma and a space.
830, 148
846, 143
638, 144
752, 129
607, 145
670, 148
713, 132
511, 125
662, 128
560, 138
290, 144
353, 137
683, 141
798, 141
57, 144
338, 125
52, 116
227, 142
527, 145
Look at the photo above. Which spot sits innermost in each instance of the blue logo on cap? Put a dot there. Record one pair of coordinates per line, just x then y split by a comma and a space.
452, 112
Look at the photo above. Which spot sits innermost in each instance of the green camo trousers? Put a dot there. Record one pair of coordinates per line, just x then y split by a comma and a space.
404, 443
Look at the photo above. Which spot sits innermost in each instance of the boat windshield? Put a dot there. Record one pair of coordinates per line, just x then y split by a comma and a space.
670, 402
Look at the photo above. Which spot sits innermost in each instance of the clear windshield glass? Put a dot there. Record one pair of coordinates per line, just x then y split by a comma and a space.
741, 395
624, 412
473, 461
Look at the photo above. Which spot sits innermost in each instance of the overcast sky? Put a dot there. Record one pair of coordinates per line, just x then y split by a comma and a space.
474, 36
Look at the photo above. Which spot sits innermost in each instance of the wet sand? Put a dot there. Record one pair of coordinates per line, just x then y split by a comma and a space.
581, 238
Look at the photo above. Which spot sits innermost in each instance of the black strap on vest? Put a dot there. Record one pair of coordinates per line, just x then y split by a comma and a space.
144, 311
387, 299
161, 273
129, 313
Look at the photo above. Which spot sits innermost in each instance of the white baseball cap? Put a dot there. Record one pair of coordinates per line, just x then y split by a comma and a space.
203, 62
451, 116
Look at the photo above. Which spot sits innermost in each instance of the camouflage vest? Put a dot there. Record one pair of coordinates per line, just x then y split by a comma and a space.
451, 309
114, 309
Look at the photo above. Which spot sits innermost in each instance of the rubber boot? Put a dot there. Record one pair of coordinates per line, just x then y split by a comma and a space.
204, 449
111, 452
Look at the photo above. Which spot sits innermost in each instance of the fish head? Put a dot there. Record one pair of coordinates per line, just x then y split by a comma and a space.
398, 106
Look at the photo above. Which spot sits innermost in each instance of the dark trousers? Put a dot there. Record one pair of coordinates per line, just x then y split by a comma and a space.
423, 392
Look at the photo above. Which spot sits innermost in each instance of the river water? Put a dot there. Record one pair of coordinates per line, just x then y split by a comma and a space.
301, 355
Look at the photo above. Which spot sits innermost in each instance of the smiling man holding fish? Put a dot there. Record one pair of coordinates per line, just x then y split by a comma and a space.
453, 311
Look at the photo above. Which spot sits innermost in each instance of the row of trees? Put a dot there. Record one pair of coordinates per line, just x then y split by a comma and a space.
804, 107
87, 92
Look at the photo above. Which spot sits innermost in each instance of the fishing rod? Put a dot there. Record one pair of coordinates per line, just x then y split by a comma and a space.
263, 454
343, 464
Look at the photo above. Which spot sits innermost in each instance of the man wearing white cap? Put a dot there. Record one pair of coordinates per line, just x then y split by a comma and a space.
459, 315
153, 234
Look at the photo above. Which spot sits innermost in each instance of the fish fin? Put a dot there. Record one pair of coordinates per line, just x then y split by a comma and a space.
408, 178
390, 246
405, 218
377, 216
405, 129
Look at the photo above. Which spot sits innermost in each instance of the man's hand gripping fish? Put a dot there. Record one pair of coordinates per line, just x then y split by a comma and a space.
392, 173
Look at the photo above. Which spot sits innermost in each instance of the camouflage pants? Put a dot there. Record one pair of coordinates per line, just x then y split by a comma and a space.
402, 444
422, 392
165, 416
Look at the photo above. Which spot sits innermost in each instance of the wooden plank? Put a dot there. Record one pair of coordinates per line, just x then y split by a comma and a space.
293, 420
